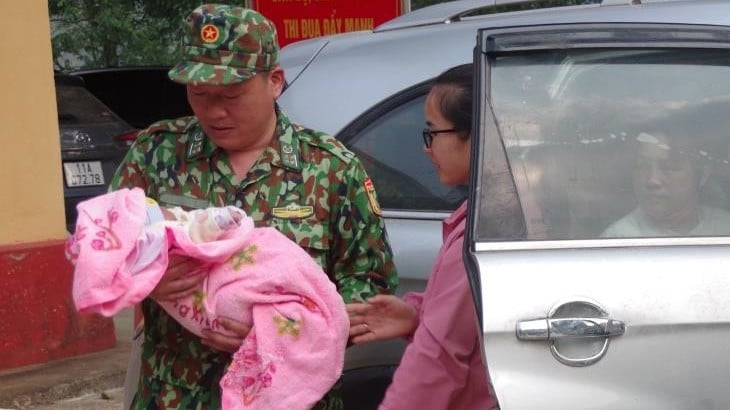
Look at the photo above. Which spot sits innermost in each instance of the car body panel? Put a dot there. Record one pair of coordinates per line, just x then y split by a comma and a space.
407, 240
646, 312
670, 357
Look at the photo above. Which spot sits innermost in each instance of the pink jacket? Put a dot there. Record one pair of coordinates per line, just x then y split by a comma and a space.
442, 366
295, 350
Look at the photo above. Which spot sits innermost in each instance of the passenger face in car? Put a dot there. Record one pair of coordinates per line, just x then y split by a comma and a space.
667, 182
449, 151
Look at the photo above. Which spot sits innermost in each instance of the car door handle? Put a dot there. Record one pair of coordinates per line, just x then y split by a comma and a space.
571, 327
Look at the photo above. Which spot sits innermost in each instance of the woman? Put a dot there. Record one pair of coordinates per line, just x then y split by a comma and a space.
442, 365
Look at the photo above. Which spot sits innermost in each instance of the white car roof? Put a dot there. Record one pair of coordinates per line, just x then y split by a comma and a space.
336, 78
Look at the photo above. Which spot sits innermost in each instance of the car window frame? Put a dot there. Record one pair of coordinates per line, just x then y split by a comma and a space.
492, 42
350, 133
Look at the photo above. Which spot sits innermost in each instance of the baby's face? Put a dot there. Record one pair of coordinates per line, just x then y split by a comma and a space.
236, 216
167, 214
225, 218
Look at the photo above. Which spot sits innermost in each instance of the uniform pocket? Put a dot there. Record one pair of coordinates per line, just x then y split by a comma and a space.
311, 234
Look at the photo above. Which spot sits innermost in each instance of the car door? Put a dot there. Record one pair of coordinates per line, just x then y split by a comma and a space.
598, 242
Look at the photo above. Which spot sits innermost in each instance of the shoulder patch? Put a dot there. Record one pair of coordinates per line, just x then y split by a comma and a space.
372, 197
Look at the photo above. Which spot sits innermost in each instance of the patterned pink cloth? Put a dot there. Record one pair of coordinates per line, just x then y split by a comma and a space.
295, 350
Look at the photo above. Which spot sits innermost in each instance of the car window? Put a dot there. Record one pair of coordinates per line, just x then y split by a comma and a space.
78, 106
616, 143
391, 149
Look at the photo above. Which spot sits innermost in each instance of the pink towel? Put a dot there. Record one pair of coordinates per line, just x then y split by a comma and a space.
295, 350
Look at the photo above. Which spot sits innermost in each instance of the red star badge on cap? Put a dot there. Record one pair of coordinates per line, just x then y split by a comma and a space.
209, 33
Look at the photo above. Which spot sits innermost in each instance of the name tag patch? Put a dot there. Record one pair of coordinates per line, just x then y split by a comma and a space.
293, 211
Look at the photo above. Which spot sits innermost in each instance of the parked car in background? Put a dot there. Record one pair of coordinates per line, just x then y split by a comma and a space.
139, 95
93, 141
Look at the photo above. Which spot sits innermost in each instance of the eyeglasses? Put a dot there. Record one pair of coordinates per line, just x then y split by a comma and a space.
428, 135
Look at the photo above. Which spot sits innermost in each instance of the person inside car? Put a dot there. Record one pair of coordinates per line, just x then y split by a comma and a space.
442, 367
668, 176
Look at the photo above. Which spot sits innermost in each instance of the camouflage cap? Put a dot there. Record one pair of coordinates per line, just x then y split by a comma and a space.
225, 45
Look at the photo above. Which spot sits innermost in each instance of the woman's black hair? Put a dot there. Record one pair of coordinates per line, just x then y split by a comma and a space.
454, 89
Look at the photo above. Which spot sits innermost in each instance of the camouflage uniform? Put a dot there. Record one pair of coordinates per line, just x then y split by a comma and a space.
305, 183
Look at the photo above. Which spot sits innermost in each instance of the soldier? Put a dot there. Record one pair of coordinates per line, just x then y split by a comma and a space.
240, 149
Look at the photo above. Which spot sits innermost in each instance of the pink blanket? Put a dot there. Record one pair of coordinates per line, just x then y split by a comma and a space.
295, 350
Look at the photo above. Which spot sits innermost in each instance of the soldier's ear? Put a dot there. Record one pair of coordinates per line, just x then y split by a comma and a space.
276, 81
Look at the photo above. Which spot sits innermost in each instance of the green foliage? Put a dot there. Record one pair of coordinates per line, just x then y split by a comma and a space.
117, 33
114, 33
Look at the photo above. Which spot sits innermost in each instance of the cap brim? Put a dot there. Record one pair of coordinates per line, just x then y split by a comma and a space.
193, 73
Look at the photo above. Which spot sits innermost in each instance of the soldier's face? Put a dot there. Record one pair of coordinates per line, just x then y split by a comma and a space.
238, 116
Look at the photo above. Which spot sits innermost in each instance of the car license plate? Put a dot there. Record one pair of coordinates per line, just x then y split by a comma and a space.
83, 173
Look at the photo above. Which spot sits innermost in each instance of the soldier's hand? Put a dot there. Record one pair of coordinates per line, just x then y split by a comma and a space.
223, 342
182, 278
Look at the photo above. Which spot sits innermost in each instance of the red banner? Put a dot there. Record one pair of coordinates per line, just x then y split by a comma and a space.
302, 19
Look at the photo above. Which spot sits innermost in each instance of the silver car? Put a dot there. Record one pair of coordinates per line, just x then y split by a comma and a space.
599, 225
595, 124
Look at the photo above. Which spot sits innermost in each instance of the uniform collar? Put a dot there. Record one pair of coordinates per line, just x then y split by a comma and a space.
282, 152
198, 144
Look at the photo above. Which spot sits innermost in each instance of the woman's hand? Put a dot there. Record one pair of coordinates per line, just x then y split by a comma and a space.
182, 278
381, 317
225, 343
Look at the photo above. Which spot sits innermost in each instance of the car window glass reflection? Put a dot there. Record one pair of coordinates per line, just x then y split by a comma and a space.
78, 106
617, 143
391, 149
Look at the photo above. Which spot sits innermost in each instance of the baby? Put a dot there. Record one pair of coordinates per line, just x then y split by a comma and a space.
203, 225
294, 352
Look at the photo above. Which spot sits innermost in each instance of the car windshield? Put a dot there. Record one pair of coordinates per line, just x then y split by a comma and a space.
616, 143
77, 106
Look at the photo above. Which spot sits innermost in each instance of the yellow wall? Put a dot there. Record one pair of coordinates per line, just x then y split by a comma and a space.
31, 194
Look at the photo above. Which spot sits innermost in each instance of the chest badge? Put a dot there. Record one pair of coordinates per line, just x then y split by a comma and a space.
293, 211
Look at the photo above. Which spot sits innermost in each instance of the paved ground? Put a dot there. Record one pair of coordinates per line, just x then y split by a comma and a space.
106, 400
92, 381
